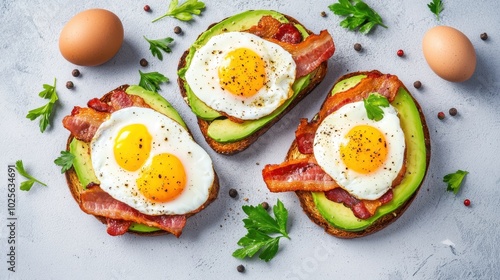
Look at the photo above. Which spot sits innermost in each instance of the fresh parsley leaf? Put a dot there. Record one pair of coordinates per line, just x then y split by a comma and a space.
436, 7
26, 185
45, 111
260, 225
359, 16
185, 11
454, 180
158, 45
152, 80
65, 160
373, 104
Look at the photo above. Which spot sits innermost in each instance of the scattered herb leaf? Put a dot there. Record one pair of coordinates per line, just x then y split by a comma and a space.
359, 16
152, 80
373, 104
26, 185
65, 160
260, 225
183, 12
45, 111
454, 180
158, 45
436, 7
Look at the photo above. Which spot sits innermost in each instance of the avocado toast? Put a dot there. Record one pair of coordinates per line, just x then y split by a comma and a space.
222, 132
338, 217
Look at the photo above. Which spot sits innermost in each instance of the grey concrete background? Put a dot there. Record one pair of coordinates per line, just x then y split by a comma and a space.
437, 238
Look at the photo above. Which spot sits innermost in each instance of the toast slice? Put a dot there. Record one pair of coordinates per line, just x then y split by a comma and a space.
229, 148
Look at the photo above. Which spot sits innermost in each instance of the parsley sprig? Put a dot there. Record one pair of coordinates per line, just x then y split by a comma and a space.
183, 12
359, 16
373, 104
436, 7
454, 180
260, 225
158, 45
26, 185
65, 160
152, 80
45, 111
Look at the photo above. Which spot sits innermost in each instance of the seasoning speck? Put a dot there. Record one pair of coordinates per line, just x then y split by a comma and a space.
75, 72
453, 111
233, 193
357, 47
147, 8
484, 36
417, 84
440, 115
177, 30
323, 14
69, 84
240, 268
143, 62
265, 205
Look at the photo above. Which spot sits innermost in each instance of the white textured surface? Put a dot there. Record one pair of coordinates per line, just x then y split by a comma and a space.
437, 238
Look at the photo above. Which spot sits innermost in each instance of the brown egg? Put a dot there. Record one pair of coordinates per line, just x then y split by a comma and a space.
449, 53
91, 37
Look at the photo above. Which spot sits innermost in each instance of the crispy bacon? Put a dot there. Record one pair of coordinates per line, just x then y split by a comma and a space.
117, 227
362, 209
288, 33
267, 27
297, 175
304, 135
84, 122
97, 202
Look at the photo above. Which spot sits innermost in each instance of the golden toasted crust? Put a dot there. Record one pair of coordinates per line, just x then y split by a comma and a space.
234, 147
307, 202
76, 187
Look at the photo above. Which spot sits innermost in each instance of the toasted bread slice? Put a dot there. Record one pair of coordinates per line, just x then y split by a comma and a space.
234, 147
76, 187
309, 206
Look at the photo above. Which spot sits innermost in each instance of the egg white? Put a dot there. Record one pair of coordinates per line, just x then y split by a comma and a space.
168, 137
330, 135
203, 79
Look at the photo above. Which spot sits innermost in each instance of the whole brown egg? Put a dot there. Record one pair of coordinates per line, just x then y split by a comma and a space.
91, 37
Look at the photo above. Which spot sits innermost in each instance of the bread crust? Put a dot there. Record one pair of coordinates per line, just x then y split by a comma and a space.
235, 147
76, 187
307, 202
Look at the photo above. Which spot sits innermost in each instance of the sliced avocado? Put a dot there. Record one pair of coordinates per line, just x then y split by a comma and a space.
342, 217
222, 129
82, 163
81, 150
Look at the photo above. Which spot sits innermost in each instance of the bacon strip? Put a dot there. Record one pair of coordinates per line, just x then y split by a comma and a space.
97, 202
117, 227
362, 209
267, 27
297, 175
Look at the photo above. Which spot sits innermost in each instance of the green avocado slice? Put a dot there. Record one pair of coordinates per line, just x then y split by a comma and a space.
81, 150
342, 217
222, 129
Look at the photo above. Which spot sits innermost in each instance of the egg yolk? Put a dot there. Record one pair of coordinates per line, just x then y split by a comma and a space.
163, 180
132, 146
365, 150
243, 72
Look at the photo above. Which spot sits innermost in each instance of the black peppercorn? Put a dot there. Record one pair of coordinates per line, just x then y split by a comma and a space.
265, 205
323, 14
484, 36
143, 62
177, 30
69, 84
75, 72
453, 111
417, 84
357, 47
233, 193
240, 268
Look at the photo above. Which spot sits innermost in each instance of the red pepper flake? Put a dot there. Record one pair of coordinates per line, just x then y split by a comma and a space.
400, 53
467, 202
147, 8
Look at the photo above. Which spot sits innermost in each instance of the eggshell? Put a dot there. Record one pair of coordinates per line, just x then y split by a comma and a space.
91, 37
449, 53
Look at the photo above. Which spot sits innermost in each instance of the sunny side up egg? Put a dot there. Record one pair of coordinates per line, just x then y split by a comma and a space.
151, 163
242, 75
362, 155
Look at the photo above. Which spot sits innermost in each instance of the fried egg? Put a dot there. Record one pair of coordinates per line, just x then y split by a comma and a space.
151, 163
362, 155
242, 75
